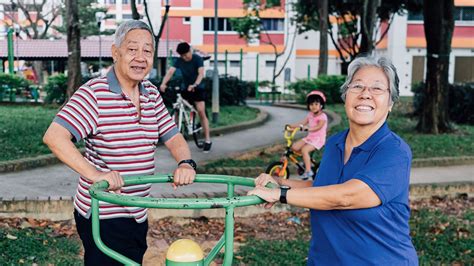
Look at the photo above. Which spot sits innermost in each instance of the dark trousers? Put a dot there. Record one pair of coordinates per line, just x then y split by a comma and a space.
123, 235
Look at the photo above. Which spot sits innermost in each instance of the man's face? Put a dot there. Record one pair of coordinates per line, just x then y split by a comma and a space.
187, 56
134, 58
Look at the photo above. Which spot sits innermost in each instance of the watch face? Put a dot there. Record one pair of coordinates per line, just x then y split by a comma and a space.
285, 187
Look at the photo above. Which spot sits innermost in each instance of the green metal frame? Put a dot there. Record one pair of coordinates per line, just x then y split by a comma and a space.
97, 192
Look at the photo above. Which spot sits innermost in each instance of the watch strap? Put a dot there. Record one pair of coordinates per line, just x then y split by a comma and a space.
283, 191
190, 162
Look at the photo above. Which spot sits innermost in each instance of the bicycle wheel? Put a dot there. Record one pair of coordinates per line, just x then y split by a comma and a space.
276, 168
181, 126
198, 132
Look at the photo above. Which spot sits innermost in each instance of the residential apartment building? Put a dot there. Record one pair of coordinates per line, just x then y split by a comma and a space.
193, 21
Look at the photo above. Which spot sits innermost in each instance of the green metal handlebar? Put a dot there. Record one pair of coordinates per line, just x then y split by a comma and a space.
97, 192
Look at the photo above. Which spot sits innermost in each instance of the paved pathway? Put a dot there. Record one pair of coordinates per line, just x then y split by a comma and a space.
60, 181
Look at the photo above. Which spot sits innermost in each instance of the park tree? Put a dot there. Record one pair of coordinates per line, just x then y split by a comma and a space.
39, 14
87, 22
74, 77
438, 21
250, 27
359, 24
307, 17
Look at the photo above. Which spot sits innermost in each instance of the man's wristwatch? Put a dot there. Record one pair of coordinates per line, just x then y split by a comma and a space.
283, 190
190, 162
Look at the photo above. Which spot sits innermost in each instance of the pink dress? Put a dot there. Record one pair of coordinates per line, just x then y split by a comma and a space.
316, 138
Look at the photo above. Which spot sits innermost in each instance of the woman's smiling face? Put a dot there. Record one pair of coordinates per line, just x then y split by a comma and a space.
370, 105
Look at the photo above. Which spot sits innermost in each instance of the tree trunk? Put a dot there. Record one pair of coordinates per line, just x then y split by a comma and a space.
367, 24
133, 6
74, 77
323, 37
439, 27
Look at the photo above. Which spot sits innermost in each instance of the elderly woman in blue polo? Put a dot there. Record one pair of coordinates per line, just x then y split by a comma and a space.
121, 118
359, 198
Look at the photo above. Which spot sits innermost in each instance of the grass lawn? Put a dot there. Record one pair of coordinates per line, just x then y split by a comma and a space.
22, 127
458, 143
37, 246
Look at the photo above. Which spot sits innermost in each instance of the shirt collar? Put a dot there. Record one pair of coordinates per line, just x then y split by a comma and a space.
114, 85
369, 143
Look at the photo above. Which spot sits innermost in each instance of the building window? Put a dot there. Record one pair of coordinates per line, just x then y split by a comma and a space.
223, 24
234, 63
463, 69
220, 63
186, 20
270, 63
272, 24
127, 16
464, 13
417, 69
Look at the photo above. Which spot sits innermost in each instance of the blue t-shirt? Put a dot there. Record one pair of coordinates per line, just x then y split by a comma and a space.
372, 236
189, 69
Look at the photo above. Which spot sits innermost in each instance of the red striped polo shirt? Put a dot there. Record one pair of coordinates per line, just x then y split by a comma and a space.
116, 138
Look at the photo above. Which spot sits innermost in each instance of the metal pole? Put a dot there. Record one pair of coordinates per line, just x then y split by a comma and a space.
215, 79
241, 61
309, 71
225, 63
256, 81
168, 40
100, 52
10, 51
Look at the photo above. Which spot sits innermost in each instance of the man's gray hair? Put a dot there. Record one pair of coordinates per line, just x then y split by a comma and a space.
128, 26
370, 61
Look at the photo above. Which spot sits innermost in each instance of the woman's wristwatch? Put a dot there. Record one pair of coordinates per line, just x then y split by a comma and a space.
190, 162
283, 191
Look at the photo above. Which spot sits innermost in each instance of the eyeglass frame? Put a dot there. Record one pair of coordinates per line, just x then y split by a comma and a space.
370, 89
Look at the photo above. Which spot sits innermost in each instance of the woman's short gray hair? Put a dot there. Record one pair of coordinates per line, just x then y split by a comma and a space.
370, 61
128, 26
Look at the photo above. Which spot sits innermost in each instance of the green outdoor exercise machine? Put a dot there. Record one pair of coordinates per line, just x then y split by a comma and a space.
182, 252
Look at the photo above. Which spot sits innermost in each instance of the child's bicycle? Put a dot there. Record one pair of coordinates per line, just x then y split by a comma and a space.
187, 119
280, 168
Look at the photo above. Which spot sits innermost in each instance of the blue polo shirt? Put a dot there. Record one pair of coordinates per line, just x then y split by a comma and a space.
373, 236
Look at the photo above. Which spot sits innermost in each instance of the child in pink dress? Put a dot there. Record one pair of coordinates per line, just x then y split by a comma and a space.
316, 125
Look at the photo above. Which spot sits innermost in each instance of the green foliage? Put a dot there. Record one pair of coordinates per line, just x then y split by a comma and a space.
13, 81
330, 85
56, 89
279, 252
248, 26
441, 238
461, 99
37, 247
232, 91
306, 15
22, 129
87, 21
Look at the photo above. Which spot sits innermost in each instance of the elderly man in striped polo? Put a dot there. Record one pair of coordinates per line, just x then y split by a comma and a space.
121, 117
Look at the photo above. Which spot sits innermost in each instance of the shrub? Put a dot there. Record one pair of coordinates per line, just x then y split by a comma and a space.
232, 91
461, 99
13, 81
330, 85
56, 89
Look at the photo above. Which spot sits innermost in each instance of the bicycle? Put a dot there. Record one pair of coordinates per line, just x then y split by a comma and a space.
187, 119
280, 168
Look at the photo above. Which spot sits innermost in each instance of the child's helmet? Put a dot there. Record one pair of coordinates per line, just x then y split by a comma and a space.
315, 94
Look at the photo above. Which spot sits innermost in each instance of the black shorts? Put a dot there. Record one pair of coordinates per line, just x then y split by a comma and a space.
123, 235
198, 95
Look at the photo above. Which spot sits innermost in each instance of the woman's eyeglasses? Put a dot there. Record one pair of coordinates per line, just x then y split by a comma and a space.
359, 88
